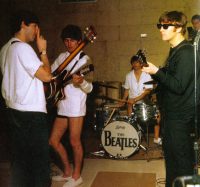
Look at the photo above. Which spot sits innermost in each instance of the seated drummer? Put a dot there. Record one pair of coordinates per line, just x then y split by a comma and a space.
136, 91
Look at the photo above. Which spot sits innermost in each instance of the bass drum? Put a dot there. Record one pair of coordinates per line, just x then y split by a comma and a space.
121, 139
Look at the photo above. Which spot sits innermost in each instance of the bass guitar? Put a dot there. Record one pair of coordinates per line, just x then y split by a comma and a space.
63, 81
52, 89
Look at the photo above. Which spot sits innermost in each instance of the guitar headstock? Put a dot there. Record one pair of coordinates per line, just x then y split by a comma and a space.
142, 58
90, 34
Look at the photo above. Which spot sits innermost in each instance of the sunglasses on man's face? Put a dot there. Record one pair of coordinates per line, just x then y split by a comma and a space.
165, 26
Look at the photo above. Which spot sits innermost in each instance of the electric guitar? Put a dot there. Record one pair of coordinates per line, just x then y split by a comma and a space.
52, 89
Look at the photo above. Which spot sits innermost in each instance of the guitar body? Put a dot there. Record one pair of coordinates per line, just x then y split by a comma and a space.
51, 88
54, 90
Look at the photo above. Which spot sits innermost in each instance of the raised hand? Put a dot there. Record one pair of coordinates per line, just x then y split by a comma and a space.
77, 79
151, 68
41, 42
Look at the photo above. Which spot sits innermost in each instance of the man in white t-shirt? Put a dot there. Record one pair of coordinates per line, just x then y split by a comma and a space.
72, 109
136, 91
23, 74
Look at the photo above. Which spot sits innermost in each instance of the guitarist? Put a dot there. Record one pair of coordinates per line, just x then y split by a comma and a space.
72, 109
177, 96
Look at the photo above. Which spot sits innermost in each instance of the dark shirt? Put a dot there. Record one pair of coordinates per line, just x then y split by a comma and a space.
177, 82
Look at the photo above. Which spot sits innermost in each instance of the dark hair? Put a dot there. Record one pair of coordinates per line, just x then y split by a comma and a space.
71, 31
22, 15
175, 17
196, 16
134, 58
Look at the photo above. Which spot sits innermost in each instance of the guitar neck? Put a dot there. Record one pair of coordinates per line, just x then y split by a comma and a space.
69, 59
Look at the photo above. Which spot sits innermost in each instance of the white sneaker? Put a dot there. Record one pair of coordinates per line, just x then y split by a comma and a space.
60, 178
157, 141
73, 183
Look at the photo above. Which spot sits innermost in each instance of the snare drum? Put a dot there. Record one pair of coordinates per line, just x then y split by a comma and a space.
145, 112
120, 139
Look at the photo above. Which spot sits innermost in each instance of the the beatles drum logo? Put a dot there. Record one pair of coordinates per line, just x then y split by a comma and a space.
120, 141
120, 138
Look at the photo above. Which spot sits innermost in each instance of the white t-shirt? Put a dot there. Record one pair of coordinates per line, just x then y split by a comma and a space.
136, 88
74, 104
20, 88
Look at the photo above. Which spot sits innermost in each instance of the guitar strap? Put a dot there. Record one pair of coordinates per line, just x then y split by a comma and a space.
14, 42
8, 47
174, 52
68, 73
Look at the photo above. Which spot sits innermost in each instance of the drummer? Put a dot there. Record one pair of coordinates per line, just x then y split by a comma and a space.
136, 91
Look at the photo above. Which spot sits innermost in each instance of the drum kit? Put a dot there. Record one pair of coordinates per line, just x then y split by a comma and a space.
121, 134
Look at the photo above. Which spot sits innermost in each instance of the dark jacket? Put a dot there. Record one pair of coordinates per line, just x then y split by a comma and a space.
176, 80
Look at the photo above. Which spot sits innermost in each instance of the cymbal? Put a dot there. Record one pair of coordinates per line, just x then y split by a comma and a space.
150, 82
106, 85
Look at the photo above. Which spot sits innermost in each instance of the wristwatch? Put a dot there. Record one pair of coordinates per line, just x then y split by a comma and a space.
43, 52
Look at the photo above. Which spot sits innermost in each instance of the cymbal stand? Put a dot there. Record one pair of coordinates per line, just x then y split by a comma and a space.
132, 119
102, 152
110, 117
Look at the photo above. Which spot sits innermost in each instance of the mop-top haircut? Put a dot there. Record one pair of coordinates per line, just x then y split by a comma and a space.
178, 19
22, 15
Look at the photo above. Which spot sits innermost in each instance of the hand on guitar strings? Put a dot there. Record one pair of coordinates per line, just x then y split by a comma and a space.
77, 79
151, 68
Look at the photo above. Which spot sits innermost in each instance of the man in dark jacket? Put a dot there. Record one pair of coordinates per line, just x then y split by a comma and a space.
177, 82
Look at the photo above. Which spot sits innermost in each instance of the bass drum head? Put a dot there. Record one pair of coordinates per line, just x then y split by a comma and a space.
120, 139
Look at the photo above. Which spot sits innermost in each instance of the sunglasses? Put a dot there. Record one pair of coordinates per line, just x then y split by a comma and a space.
165, 26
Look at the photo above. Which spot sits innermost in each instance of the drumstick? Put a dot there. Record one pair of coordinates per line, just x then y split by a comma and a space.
110, 117
122, 100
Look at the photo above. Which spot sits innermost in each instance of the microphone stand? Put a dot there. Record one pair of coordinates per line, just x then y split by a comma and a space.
196, 147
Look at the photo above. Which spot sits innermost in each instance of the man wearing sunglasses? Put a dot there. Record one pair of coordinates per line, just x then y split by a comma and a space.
176, 96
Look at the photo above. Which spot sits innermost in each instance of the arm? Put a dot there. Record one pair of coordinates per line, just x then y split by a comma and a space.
178, 79
44, 72
183, 74
140, 97
126, 93
84, 82
85, 85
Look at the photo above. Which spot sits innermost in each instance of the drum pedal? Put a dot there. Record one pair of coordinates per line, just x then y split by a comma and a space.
142, 147
98, 153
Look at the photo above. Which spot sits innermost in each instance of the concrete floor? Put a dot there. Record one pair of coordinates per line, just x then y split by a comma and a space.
93, 166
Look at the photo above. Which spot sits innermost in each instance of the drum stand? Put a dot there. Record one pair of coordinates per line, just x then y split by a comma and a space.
147, 134
102, 152
146, 137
